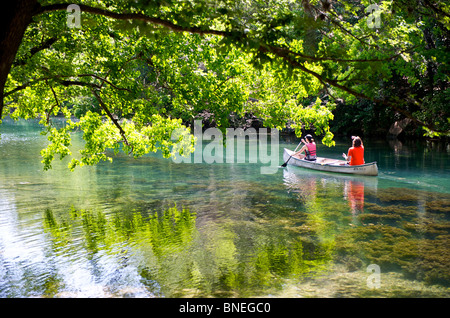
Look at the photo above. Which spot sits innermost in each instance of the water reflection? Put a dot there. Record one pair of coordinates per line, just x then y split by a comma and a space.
401, 230
305, 185
178, 252
175, 258
120, 253
354, 192
233, 231
22, 257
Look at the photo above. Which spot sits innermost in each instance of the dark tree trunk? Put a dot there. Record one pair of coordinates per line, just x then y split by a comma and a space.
14, 19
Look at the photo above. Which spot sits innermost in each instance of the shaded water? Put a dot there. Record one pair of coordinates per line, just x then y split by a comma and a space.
154, 228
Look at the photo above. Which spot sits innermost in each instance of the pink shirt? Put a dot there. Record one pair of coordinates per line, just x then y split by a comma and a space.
311, 150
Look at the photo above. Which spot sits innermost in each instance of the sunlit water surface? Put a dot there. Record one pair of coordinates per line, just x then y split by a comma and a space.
154, 228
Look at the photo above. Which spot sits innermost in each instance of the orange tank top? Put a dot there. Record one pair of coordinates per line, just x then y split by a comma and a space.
357, 155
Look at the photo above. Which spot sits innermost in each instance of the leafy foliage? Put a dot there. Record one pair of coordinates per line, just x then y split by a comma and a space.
136, 71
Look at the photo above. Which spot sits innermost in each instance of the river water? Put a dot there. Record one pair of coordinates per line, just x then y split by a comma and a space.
151, 227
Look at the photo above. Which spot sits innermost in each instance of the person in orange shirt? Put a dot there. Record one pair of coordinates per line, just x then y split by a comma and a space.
355, 154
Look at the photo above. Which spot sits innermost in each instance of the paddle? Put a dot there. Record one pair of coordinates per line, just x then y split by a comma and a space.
285, 164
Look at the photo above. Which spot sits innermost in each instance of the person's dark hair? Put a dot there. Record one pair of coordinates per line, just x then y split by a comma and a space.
357, 142
310, 138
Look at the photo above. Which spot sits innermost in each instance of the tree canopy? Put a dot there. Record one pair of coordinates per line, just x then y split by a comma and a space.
133, 72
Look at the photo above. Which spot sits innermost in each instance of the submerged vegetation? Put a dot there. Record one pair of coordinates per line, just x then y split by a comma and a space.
406, 235
181, 260
178, 254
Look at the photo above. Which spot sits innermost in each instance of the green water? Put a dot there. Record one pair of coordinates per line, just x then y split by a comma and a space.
154, 228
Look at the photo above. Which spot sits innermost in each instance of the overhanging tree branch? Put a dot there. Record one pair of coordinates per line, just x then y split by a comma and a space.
59, 78
56, 102
131, 16
105, 81
437, 9
241, 37
44, 45
114, 120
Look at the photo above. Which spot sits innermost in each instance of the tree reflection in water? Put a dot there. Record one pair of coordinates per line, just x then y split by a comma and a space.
175, 253
174, 258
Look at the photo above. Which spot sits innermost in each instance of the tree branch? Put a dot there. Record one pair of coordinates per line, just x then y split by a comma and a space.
45, 45
56, 100
105, 81
130, 16
336, 23
114, 120
436, 9
78, 83
25, 85
318, 59
66, 82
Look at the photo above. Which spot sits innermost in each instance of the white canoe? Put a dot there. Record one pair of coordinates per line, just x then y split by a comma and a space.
331, 165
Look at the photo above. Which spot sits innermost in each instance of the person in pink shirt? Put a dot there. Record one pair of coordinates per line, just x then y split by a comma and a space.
309, 148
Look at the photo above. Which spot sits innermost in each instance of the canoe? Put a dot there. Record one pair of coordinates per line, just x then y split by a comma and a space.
332, 165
